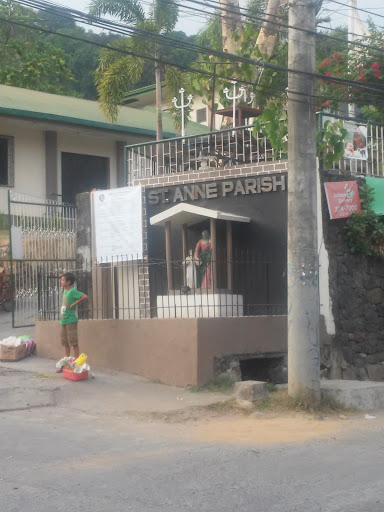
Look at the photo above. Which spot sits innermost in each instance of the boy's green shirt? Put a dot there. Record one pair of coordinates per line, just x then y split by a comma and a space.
67, 315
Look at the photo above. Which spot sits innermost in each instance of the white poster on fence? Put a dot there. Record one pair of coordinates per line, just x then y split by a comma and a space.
118, 224
356, 141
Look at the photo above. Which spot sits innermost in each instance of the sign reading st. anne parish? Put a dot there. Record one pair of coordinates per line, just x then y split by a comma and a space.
212, 190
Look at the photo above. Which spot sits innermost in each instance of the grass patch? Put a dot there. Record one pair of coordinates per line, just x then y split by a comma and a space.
271, 386
280, 401
218, 385
43, 376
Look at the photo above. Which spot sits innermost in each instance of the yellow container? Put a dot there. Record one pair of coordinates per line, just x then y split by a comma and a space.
81, 360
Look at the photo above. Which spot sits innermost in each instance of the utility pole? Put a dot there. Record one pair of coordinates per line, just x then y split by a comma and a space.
302, 269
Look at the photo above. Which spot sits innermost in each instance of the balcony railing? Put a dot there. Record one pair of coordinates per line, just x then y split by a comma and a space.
224, 148
239, 146
366, 162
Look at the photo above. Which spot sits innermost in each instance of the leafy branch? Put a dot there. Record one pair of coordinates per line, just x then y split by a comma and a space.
364, 232
273, 124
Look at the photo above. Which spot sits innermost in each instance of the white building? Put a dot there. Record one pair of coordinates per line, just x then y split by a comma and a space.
200, 111
57, 146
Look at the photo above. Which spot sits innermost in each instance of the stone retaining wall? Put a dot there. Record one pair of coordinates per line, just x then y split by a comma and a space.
356, 289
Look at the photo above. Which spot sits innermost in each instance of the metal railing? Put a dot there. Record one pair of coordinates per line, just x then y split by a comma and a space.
219, 149
42, 240
370, 162
131, 289
233, 147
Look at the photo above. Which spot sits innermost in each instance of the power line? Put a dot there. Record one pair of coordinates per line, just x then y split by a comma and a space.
285, 25
373, 91
250, 16
85, 18
357, 8
182, 67
161, 39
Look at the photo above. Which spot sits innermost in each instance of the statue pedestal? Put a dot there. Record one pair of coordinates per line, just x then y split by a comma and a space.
200, 305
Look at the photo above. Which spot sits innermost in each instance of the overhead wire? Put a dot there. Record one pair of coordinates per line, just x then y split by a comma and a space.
187, 68
280, 24
153, 59
161, 39
207, 2
357, 8
277, 16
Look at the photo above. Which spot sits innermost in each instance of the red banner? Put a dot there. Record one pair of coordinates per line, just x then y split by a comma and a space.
343, 199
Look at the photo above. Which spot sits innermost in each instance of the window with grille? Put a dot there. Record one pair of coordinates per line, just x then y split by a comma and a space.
201, 115
6, 161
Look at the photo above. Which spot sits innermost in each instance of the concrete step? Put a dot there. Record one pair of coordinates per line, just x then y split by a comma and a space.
361, 395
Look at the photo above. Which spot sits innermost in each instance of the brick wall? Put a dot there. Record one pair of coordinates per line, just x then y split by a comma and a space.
212, 174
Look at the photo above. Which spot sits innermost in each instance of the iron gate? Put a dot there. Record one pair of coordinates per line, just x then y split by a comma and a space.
42, 239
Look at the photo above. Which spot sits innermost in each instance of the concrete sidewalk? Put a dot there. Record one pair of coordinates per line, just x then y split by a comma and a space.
110, 392
6, 328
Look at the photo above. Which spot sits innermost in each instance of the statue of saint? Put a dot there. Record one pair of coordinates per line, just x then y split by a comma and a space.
203, 253
190, 271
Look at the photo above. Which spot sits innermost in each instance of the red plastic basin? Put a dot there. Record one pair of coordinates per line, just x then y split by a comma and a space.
71, 375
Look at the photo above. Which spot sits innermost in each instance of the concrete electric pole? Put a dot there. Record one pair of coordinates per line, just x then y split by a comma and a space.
303, 276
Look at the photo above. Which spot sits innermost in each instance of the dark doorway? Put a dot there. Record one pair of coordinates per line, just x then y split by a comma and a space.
82, 173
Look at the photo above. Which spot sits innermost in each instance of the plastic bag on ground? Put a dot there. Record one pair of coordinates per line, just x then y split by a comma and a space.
11, 342
84, 368
65, 362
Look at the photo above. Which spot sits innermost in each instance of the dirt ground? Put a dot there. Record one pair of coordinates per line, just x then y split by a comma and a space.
261, 428
265, 431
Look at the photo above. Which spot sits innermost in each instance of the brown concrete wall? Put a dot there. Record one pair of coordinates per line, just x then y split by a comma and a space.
175, 351
218, 337
156, 349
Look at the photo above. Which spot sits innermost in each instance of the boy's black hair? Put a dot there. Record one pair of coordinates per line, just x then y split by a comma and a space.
69, 277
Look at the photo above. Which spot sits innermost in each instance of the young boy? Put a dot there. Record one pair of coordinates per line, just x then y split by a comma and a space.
68, 318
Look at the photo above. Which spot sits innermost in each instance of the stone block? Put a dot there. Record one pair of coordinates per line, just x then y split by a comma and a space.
375, 372
349, 373
360, 395
250, 390
244, 404
375, 296
361, 374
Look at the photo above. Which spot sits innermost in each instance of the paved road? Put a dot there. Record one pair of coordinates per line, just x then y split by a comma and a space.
53, 460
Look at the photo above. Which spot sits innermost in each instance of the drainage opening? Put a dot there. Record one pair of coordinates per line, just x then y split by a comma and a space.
268, 369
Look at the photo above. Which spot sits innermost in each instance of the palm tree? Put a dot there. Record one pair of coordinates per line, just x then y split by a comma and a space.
117, 70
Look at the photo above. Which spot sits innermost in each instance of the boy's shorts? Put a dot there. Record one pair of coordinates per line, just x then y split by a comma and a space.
68, 335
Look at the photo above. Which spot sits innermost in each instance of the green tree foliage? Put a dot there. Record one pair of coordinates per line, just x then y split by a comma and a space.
273, 124
330, 142
365, 66
117, 73
364, 232
269, 85
171, 54
27, 59
82, 58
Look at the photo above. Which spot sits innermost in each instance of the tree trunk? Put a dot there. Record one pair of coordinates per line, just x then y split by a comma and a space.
159, 103
231, 24
268, 34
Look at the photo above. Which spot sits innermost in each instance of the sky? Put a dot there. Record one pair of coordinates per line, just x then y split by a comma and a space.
191, 22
